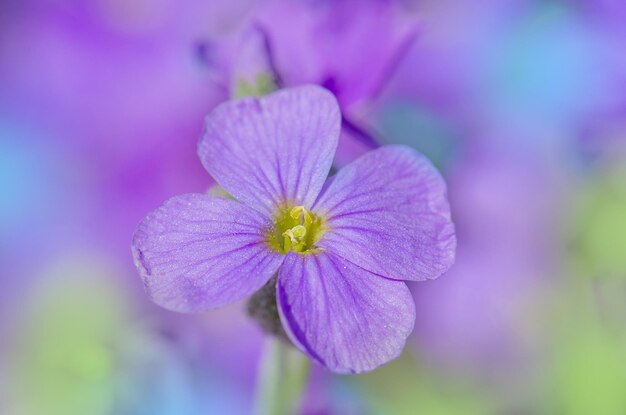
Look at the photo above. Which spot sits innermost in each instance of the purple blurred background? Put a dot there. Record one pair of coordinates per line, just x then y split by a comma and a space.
521, 104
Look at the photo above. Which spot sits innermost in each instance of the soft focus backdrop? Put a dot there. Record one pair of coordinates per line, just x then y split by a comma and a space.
520, 103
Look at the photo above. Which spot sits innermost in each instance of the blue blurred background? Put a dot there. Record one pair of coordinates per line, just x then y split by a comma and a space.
520, 103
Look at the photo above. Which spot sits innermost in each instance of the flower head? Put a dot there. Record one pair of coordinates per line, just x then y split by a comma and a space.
330, 43
340, 248
350, 47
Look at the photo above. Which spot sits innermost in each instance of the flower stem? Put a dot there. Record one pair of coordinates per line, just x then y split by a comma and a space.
282, 377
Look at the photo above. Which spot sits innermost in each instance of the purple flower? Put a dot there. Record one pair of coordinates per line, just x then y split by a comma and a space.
350, 47
327, 43
340, 248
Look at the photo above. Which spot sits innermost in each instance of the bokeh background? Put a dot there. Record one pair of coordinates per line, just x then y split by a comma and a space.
520, 103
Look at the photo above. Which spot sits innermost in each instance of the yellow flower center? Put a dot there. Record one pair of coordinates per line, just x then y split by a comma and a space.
296, 229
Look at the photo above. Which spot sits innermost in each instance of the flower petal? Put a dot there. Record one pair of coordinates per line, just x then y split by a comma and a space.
348, 319
198, 252
388, 213
275, 149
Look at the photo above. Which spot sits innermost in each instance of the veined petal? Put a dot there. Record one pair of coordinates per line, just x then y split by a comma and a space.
388, 213
273, 150
346, 318
198, 252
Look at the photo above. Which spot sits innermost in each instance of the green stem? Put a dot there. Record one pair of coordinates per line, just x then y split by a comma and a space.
283, 373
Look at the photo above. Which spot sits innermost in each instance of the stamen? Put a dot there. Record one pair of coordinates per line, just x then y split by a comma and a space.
294, 238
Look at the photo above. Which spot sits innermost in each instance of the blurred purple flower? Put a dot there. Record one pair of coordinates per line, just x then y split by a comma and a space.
351, 48
341, 250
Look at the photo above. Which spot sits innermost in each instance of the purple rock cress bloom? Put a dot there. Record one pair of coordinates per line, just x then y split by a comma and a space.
287, 43
341, 249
